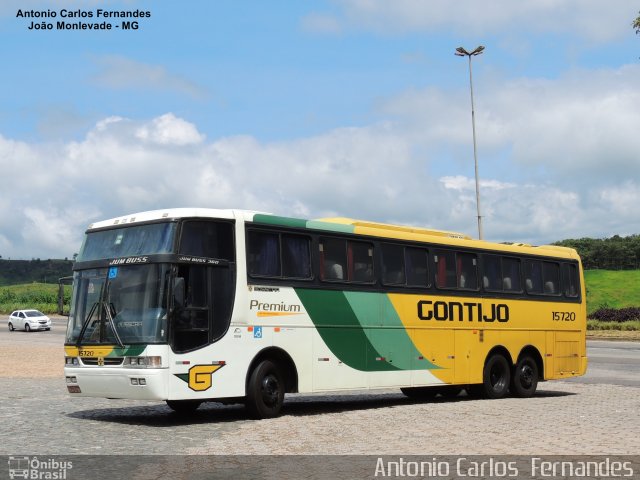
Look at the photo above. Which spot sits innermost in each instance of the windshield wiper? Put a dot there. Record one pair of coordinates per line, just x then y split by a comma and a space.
107, 310
105, 316
85, 324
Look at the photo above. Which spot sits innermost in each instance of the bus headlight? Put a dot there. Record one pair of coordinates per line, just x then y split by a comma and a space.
71, 361
143, 362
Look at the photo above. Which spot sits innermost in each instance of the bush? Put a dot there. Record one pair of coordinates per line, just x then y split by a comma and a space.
607, 314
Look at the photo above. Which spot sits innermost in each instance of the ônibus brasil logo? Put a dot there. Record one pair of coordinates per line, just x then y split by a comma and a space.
34, 468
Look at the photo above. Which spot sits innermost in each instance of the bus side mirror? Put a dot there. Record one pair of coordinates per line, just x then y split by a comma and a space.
60, 299
61, 283
178, 292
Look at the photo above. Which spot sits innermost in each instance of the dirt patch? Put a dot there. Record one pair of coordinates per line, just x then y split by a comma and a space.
25, 361
613, 335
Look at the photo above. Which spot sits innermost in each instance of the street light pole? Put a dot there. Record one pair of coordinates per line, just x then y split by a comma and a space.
461, 52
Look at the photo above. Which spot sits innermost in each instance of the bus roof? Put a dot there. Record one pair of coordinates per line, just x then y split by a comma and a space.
341, 225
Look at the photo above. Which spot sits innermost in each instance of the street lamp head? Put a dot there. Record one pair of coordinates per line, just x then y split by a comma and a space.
461, 52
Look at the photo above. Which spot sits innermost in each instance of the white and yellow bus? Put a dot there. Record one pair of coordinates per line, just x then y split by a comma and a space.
196, 305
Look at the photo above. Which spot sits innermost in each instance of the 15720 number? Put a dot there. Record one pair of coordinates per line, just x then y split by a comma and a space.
564, 316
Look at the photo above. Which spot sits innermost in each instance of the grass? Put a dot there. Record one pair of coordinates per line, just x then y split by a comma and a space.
40, 296
614, 289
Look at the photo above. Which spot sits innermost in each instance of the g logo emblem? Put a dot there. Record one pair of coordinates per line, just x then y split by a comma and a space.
200, 376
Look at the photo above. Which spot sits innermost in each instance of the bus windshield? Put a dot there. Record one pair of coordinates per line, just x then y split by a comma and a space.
128, 241
120, 305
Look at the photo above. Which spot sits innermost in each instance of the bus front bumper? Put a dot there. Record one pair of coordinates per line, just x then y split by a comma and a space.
104, 382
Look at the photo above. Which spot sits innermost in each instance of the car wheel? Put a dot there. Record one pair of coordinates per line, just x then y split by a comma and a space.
11, 329
27, 328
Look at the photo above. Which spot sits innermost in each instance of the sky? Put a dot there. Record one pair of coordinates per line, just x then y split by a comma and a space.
355, 108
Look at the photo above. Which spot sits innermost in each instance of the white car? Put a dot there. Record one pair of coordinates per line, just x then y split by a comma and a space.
28, 320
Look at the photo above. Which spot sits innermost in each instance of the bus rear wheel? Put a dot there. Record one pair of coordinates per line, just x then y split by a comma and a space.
524, 380
183, 406
265, 391
496, 377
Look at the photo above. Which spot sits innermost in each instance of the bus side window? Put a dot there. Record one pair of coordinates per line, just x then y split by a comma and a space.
570, 280
511, 275
207, 239
551, 274
416, 262
467, 271
492, 275
333, 259
360, 262
393, 272
542, 278
263, 254
533, 276
296, 257
445, 269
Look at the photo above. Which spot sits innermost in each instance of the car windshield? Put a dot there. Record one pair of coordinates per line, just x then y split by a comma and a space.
33, 313
124, 304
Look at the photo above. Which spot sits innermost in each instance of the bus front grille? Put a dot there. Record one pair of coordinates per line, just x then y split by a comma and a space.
99, 361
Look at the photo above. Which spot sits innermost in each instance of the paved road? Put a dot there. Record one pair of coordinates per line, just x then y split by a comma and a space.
612, 362
593, 415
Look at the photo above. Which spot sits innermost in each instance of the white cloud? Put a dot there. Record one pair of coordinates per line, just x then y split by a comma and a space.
580, 128
170, 130
414, 170
119, 72
591, 19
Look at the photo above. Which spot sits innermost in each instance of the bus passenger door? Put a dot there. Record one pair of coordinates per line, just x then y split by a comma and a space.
191, 308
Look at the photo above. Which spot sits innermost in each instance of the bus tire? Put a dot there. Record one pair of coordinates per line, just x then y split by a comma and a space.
183, 406
524, 379
420, 393
496, 377
265, 391
449, 391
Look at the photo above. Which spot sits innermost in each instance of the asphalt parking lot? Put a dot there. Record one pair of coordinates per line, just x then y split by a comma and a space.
588, 417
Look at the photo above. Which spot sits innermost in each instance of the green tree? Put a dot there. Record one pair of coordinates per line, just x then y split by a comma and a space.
636, 24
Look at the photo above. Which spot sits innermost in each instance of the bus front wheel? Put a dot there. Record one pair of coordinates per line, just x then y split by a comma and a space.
265, 391
183, 406
524, 380
496, 377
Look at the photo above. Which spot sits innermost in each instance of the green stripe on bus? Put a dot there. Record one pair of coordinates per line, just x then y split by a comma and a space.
127, 351
332, 227
281, 221
340, 329
385, 331
300, 223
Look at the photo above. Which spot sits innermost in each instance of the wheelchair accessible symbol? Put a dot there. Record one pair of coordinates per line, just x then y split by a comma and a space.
257, 332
